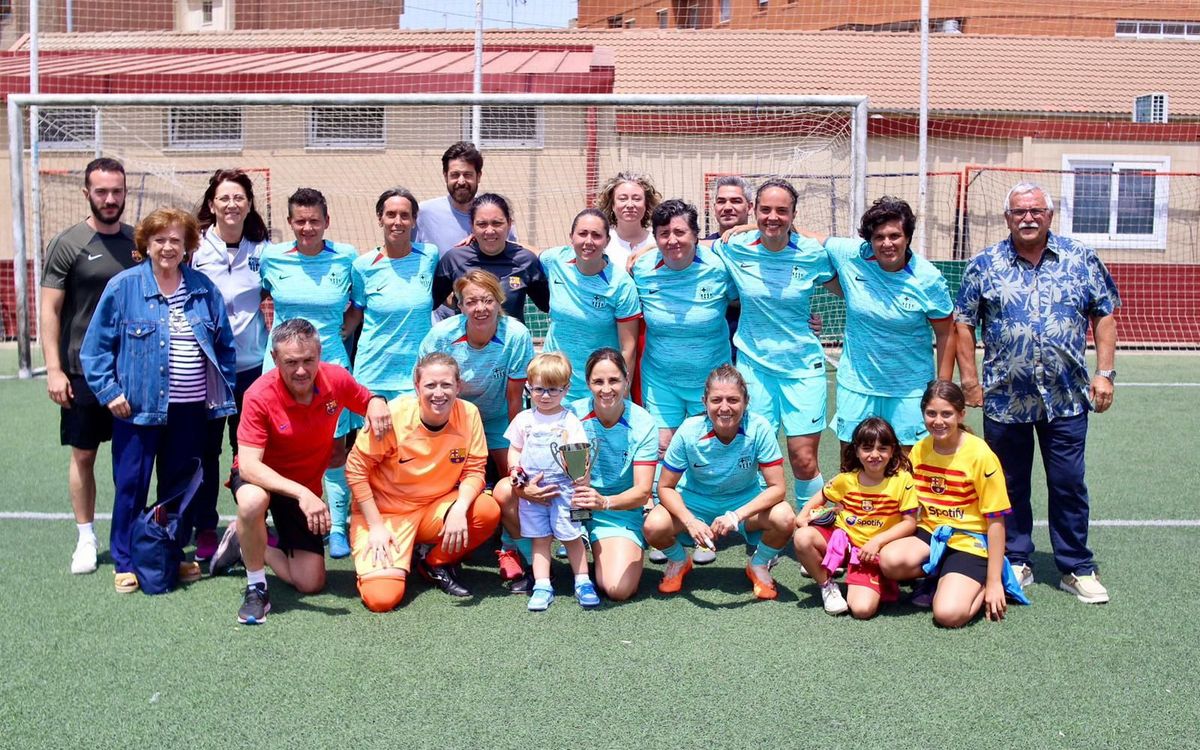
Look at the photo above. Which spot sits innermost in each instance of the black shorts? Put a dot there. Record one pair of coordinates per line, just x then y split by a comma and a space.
87, 423
291, 525
957, 561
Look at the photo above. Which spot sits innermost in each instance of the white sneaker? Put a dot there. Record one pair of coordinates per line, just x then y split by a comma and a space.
83, 560
657, 556
1024, 574
703, 556
831, 597
1086, 588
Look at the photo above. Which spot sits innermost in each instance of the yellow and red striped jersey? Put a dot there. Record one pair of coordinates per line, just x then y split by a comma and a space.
866, 510
963, 490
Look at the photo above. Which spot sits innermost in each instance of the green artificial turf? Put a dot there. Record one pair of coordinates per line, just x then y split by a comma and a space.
711, 668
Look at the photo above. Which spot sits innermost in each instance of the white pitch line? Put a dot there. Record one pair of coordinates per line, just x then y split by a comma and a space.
28, 515
1160, 385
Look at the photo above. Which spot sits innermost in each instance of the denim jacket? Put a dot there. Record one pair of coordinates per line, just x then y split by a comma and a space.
127, 347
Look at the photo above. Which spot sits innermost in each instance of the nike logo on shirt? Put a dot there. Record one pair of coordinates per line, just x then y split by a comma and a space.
989, 473
93, 257
403, 460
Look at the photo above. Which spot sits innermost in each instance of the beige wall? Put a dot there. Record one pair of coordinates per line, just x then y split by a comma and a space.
549, 185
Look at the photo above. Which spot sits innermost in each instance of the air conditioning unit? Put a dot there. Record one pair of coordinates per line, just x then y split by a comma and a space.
1150, 108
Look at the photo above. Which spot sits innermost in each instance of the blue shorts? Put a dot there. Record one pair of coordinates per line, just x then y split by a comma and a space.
554, 520
798, 404
707, 509
493, 432
625, 524
347, 421
671, 403
902, 413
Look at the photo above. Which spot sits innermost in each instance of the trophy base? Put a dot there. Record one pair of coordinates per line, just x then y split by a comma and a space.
579, 514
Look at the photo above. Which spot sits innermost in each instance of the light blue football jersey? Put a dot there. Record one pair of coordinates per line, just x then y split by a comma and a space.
712, 469
485, 372
585, 310
888, 344
396, 297
316, 288
686, 332
776, 290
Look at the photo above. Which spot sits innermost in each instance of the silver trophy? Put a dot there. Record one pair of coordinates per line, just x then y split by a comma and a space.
576, 460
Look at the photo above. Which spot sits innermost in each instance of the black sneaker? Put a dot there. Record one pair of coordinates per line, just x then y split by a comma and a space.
522, 585
444, 577
255, 605
228, 554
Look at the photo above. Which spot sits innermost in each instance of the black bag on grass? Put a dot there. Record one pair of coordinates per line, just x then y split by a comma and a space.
158, 536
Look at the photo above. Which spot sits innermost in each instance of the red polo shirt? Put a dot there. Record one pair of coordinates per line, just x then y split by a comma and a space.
297, 439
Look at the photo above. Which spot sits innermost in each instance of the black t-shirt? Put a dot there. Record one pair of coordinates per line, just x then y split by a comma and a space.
80, 261
520, 272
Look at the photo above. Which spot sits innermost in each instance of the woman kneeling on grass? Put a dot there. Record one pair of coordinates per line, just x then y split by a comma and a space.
960, 538
420, 484
876, 504
710, 487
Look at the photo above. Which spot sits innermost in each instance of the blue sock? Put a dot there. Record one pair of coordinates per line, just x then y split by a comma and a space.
764, 554
675, 553
506, 540
806, 488
525, 547
337, 494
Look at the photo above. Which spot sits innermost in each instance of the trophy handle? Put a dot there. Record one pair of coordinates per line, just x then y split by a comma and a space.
591, 460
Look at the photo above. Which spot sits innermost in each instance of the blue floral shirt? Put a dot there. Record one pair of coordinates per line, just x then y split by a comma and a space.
1034, 321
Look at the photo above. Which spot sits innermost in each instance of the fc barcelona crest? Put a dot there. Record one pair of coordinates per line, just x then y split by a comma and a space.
456, 456
868, 506
514, 282
938, 485
331, 407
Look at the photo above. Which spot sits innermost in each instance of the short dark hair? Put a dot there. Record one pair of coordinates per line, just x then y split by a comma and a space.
491, 199
605, 354
884, 210
669, 209
778, 182
462, 151
102, 164
396, 192
254, 229
290, 330
308, 198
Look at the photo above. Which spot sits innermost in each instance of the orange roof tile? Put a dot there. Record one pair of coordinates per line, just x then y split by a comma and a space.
968, 73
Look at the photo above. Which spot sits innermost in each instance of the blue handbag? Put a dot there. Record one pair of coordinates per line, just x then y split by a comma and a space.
159, 535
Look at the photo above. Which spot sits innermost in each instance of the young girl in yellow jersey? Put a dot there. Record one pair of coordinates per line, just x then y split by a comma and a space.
876, 505
963, 501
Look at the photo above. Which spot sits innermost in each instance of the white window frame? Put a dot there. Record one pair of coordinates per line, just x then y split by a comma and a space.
537, 140
1155, 240
724, 11
1191, 29
664, 17
314, 142
174, 143
68, 145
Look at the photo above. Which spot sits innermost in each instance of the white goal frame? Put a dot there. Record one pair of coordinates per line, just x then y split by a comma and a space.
17, 103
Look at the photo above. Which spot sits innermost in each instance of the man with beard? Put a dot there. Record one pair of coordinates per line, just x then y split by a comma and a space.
79, 263
446, 221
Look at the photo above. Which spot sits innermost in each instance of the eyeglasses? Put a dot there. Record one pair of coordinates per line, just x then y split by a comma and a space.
537, 390
1036, 213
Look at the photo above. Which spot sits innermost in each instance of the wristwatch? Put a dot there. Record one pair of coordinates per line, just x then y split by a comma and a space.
1110, 374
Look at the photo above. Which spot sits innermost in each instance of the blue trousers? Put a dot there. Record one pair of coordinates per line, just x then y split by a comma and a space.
138, 451
1062, 442
205, 503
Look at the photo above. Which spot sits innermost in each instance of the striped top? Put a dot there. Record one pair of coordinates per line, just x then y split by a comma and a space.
186, 363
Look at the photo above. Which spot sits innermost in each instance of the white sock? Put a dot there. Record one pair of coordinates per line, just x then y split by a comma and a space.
542, 583
582, 578
86, 531
257, 576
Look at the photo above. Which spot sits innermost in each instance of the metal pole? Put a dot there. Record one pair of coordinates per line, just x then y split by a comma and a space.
16, 176
70, 16
923, 136
749, 101
477, 78
35, 161
97, 149
858, 163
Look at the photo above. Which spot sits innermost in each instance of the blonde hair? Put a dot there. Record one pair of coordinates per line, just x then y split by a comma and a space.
726, 373
482, 279
160, 220
604, 201
436, 359
550, 370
